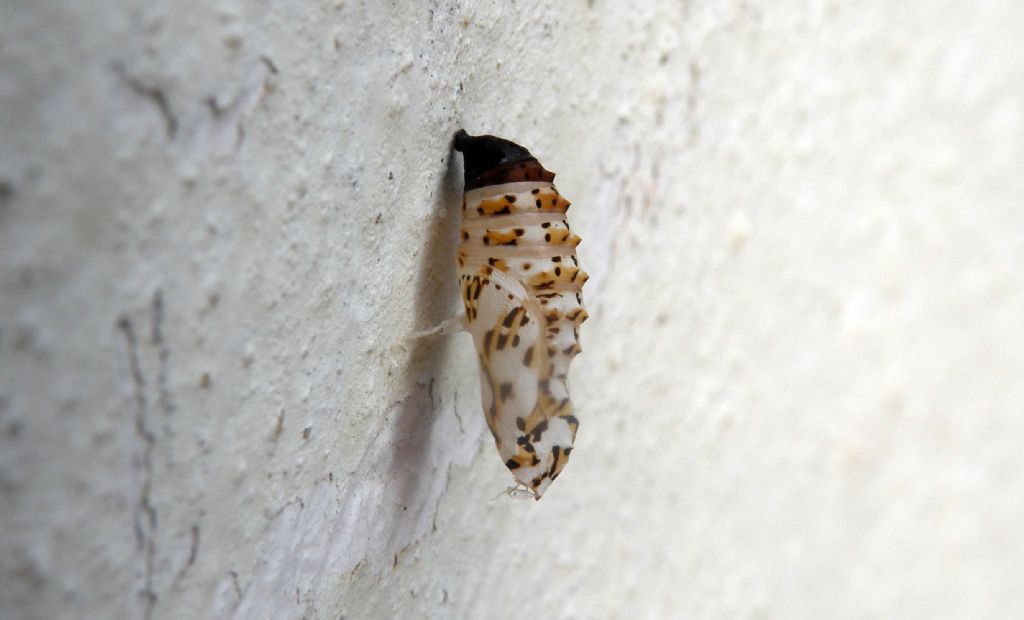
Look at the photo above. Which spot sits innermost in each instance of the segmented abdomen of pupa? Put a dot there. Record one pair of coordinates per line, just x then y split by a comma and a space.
521, 286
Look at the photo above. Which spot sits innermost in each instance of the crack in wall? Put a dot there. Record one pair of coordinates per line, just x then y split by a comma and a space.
216, 128
7, 192
222, 132
154, 94
144, 515
164, 400
193, 551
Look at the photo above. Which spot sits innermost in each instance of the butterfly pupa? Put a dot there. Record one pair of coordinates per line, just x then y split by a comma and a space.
521, 287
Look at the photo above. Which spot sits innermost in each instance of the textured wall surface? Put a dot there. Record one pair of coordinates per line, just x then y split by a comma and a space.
801, 389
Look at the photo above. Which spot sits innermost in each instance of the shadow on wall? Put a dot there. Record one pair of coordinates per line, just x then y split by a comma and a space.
390, 501
434, 295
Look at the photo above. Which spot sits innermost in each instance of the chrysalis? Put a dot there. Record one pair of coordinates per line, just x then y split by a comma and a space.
520, 284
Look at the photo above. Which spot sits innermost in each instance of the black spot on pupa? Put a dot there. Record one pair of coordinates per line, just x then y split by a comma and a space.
547, 236
556, 452
556, 259
505, 391
520, 232
538, 431
515, 341
535, 192
521, 424
510, 318
512, 464
528, 356
546, 225
558, 271
538, 203
510, 198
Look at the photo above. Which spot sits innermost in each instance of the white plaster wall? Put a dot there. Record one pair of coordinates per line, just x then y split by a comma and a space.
801, 389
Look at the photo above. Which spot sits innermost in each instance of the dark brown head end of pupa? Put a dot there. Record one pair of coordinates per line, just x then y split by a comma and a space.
489, 160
